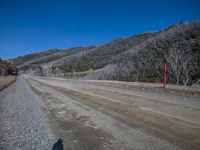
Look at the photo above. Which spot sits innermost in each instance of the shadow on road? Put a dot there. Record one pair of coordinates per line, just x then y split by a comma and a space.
58, 145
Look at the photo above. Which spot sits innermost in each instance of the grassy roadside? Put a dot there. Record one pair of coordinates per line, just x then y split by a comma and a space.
5, 81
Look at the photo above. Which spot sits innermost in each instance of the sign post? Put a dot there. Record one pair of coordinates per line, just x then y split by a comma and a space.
164, 75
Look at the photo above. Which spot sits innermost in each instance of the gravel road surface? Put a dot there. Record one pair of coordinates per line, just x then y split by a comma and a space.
93, 115
23, 124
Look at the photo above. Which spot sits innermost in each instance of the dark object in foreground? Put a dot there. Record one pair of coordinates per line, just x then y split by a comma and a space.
58, 145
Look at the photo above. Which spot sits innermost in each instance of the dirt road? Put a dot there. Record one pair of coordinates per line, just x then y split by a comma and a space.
97, 115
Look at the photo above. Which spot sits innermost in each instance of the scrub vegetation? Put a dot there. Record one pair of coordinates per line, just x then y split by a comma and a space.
139, 58
7, 68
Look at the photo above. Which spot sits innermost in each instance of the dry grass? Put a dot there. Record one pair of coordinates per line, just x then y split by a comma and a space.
6, 80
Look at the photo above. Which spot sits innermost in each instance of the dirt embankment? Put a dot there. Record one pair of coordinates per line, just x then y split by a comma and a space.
6, 81
180, 89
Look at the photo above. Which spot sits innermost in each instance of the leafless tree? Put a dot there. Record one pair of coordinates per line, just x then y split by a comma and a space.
180, 60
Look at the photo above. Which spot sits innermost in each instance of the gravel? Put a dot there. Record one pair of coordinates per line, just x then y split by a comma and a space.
23, 123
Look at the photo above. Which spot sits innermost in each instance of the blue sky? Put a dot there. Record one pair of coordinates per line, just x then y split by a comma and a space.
28, 26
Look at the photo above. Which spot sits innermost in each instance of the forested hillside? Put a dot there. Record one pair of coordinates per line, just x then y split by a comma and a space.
137, 58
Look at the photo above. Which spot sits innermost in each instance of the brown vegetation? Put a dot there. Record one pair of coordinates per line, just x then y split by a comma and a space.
6, 80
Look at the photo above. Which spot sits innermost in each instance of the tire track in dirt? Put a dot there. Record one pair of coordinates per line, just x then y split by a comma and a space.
76, 130
174, 111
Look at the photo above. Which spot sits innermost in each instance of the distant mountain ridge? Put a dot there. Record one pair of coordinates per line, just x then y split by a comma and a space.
57, 55
135, 58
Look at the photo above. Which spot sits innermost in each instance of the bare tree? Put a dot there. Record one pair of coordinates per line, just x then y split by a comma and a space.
180, 60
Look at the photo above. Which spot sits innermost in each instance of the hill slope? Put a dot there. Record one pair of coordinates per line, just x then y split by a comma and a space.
136, 58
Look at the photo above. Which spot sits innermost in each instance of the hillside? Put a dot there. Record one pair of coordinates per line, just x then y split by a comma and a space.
137, 58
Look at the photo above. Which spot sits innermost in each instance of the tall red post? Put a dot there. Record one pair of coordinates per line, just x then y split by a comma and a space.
164, 75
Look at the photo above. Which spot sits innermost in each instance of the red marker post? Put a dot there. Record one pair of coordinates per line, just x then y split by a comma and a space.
164, 75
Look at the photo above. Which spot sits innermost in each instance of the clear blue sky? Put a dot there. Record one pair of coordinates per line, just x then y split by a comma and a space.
28, 26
